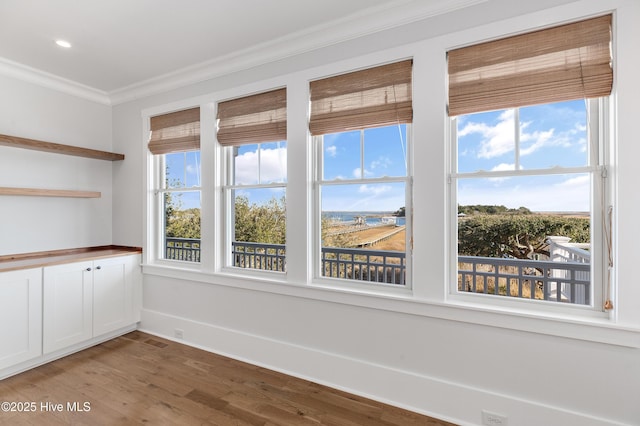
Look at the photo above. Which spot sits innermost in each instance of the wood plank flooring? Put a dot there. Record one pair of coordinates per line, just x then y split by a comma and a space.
143, 379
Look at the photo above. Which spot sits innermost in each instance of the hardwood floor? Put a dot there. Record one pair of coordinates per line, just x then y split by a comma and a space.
143, 379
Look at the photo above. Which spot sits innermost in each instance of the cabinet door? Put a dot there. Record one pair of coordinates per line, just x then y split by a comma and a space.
20, 316
67, 300
112, 294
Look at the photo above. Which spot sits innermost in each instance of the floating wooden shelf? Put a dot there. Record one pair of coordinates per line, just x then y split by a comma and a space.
17, 142
49, 192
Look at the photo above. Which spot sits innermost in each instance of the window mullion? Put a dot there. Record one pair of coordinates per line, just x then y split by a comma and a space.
259, 180
361, 153
516, 127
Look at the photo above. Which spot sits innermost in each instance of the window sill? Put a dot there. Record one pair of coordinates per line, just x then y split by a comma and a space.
592, 329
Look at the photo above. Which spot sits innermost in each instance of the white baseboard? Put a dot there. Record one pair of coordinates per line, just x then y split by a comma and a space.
432, 396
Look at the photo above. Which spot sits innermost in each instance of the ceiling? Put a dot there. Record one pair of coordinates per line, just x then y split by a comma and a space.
120, 45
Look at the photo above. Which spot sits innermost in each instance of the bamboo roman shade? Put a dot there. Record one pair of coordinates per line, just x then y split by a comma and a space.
369, 98
562, 63
175, 132
253, 119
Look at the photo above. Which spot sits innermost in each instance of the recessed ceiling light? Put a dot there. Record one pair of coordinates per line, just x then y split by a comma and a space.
63, 43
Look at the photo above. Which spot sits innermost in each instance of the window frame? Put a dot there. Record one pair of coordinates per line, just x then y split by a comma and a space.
599, 164
318, 182
156, 187
158, 190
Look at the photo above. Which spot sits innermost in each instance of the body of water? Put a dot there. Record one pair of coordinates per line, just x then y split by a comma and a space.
370, 218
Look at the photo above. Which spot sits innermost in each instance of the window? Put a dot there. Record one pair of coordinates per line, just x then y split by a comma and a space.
360, 122
529, 185
175, 145
253, 132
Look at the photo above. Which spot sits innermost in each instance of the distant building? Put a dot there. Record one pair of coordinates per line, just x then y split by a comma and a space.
389, 220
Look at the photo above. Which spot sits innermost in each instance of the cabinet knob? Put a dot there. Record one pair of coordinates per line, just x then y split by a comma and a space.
98, 267
88, 269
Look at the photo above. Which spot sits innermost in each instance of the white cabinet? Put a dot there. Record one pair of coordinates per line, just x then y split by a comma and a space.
20, 316
64, 303
67, 305
86, 299
113, 293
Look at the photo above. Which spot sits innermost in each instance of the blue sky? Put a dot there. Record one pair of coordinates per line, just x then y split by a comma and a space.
183, 171
553, 135
383, 155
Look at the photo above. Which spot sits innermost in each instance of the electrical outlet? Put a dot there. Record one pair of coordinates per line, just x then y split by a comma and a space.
178, 334
493, 419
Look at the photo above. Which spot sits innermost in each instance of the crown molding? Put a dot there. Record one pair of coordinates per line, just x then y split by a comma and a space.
41, 78
369, 21
400, 12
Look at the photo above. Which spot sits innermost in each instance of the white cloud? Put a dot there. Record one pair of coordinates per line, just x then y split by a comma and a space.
357, 173
538, 139
503, 166
498, 139
247, 168
374, 190
381, 163
331, 151
273, 166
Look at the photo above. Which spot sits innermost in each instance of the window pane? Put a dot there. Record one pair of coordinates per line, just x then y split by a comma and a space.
182, 226
341, 156
182, 169
526, 237
260, 163
363, 232
385, 151
554, 135
259, 228
486, 141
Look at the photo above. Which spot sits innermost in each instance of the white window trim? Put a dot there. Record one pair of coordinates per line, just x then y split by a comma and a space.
154, 174
599, 155
157, 195
433, 303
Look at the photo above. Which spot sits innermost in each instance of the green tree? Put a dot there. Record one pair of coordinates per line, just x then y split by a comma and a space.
184, 224
488, 209
260, 223
517, 236
179, 222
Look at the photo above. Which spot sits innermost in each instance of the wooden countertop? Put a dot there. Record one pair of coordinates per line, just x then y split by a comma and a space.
15, 262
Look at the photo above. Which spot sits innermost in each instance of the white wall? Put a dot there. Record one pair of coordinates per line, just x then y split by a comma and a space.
422, 353
29, 224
